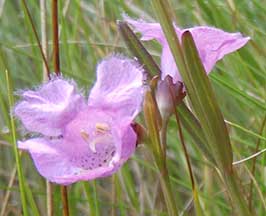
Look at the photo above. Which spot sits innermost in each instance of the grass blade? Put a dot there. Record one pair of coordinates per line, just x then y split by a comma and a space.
15, 149
213, 125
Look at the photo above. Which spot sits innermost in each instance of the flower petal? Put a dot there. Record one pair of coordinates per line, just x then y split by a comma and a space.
48, 158
148, 31
129, 142
212, 44
119, 86
56, 161
49, 108
168, 65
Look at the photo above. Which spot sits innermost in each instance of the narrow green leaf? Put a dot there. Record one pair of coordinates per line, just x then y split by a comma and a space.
204, 103
91, 193
15, 149
34, 208
192, 125
165, 17
198, 208
246, 130
238, 94
138, 49
149, 109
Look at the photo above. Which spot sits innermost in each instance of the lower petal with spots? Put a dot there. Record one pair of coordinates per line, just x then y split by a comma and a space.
55, 163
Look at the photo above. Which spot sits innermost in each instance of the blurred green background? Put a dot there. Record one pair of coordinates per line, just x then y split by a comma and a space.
88, 32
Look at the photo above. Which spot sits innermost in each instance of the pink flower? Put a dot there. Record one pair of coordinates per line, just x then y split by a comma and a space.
212, 44
83, 141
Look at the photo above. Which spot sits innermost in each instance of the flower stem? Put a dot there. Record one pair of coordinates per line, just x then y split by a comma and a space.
64, 197
49, 190
254, 165
167, 192
49, 198
56, 61
151, 120
163, 136
198, 208
56, 57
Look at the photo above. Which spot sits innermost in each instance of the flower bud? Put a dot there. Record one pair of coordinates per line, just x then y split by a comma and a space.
168, 95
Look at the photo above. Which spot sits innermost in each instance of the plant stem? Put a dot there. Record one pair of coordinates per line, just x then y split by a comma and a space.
16, 152
26, 9
198, 208
163, 136
167, 192
64, 197
49, 190
95, 198
56, 57
56, 61
254, 165
44, 37
151, 120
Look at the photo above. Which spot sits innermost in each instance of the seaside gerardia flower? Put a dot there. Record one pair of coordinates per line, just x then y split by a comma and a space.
212, 44
83, 141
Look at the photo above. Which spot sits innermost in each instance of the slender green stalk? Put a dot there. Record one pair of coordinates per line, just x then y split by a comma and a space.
15, 149
259, 136
163, 136
30, 198
56, 56
91, 193
27, 12
137, 49
44, 37
155, 145
92, 197
198, 208
49, 186
56, 61
114, 200
192, 125
254, 165
95, 198
64, 197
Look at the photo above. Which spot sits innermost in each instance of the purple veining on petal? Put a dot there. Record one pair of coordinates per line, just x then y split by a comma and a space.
212, 44
98, 138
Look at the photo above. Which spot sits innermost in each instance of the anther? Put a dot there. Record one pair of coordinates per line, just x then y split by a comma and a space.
84, 135
102, 127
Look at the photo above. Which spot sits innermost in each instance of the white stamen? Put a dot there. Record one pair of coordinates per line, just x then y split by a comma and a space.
85, 136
